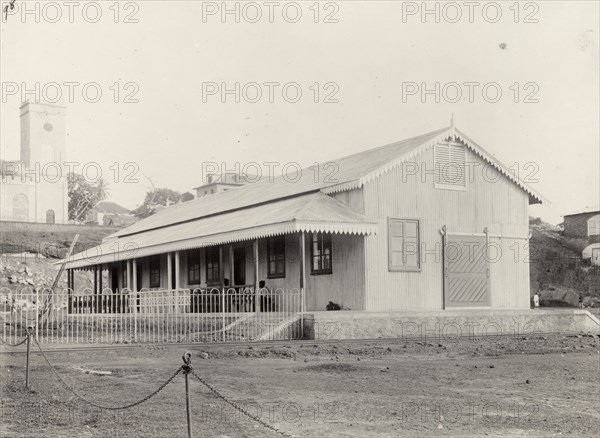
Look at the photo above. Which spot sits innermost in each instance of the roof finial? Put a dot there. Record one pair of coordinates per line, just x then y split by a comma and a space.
452, 121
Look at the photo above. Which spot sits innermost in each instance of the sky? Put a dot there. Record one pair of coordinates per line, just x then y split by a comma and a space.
360, 68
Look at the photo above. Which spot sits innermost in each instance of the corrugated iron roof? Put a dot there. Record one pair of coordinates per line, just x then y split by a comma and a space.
334, 176
313, 212
330, 174
586, 210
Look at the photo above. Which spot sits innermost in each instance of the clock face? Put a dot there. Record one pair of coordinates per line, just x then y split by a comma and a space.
48, 127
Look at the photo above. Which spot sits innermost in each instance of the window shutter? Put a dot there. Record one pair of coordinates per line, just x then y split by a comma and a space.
396, 244
442, 158
449, 165
411, 242
594, 225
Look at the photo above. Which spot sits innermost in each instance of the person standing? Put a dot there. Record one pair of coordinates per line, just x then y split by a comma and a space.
536, 301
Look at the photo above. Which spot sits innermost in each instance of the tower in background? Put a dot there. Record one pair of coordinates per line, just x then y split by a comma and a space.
35, 188
43, 134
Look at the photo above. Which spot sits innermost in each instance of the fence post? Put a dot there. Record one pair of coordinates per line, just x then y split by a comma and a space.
176, 313
187, 367
135, 311
27, 360
223, 312
37, 312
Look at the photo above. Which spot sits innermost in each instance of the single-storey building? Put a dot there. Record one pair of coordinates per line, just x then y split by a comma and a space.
429, 223
584, 224
592, 252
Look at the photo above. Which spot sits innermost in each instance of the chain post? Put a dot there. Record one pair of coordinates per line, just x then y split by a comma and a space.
187, 368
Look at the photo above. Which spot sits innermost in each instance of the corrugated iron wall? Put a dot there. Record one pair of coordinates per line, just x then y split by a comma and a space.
500, 206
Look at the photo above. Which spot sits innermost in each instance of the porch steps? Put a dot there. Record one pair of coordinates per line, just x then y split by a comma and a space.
280, 331
263, 327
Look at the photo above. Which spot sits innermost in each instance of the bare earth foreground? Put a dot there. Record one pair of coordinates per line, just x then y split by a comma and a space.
517, 387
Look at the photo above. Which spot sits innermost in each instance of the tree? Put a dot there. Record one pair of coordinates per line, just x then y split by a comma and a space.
154, 198
187, 196
84, 196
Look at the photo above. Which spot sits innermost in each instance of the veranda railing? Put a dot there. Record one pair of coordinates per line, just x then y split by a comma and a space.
153, 316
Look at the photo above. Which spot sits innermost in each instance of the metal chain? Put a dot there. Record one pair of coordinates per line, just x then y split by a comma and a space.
14, 345
110, 408
238, 407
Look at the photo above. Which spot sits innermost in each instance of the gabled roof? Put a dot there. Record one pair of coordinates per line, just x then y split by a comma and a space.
346, 173
314, 212
111, 207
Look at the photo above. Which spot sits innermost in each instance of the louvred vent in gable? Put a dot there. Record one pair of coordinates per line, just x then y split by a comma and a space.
449, 165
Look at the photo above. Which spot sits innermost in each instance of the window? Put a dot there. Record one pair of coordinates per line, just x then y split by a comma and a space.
50, 217
276, 257
403, 245
155, 271
594, 225
193, 263
450, 166
321, 254
213, 272
124, 274
20, 208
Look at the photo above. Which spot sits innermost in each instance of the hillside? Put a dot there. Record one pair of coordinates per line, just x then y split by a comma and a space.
51, 241
557, 270
29, 253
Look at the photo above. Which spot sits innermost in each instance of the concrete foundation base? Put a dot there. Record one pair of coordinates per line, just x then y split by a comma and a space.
447, 324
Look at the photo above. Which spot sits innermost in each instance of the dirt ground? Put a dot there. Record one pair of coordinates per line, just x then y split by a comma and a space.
517, 387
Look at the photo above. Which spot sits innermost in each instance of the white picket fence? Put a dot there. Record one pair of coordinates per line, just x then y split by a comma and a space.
153, 316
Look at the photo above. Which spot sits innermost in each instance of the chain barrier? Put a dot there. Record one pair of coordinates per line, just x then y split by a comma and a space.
14, 345
238, 407
110, 408
186, 369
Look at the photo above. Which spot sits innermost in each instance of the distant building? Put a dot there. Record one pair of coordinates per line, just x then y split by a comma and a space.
218, 183
584, 224
110, 214
592, 252
35, 188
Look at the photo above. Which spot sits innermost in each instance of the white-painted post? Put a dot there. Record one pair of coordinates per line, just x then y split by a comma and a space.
37, 311
256, 292
232, 299
134, 295
170, 276
177, 285
302, 280
222, 275
129, 282
177, 269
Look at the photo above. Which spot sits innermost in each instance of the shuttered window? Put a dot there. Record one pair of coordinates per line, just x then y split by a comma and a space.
321, 254
594, 225
276, 256
124, 274
403, 245
193, 262
450, 166
213, 270
155, 271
